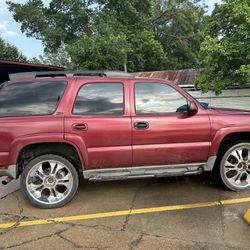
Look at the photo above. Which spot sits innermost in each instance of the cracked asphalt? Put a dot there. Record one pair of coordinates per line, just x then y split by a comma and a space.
216, 227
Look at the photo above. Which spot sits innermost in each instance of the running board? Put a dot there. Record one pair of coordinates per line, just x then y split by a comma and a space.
109, 174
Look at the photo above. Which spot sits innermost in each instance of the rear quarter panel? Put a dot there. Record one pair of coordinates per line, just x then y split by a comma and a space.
15, 133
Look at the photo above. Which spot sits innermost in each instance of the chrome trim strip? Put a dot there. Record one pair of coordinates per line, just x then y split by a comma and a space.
10, 171
144, 171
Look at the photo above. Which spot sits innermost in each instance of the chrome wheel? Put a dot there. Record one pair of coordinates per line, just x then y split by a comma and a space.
235, 167
49, 182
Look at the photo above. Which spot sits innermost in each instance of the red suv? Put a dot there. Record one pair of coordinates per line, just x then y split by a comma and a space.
57, 127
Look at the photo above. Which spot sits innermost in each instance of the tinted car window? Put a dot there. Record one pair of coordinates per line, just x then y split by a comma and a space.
30, 98
158, 98
99, 99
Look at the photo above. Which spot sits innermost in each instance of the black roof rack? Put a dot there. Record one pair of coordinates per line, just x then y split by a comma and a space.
66, 73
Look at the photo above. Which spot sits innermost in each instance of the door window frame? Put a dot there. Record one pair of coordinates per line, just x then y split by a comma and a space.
88, 83
154, 114
77, 83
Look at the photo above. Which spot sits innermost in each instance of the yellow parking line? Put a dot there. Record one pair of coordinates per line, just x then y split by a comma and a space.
123, 213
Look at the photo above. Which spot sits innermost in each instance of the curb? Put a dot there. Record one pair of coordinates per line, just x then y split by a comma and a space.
247, 216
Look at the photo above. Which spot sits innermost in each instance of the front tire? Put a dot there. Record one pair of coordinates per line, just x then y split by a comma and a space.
49, 181
235, 167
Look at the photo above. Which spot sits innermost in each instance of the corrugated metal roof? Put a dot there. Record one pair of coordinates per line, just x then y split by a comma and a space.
179, 77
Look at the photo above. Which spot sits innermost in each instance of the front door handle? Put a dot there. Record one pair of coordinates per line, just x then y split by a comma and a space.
80, 126
141, 125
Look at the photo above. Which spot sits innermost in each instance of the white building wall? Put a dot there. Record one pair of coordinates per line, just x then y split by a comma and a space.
232, 98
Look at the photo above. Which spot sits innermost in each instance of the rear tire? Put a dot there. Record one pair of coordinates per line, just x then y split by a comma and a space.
49, 181
235, 166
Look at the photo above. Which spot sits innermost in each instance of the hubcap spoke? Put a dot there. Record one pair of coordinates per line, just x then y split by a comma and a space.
65, 184
229, 169
38, 193
65, 181
39, 172
234, 177
231, 165
66, 178
35, 188
53, 167
239, 152
248, 157
51, 197
237, 155
55, 195
238, 178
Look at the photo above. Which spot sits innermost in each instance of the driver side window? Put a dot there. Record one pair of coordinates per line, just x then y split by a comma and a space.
158, 98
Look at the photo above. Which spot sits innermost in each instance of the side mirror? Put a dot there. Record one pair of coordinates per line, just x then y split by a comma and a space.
205, 105
192, 108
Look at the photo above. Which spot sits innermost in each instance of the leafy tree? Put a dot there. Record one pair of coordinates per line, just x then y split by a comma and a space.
60, 57
105, 50
116, 34
55, 25
8, 51
130, 19
225, 52
147, 53
109, 34
178, 25
111, 49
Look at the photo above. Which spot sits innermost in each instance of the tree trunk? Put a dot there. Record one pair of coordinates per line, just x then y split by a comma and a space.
125, 62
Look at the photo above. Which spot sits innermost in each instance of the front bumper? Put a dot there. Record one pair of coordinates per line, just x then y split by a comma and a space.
10, 171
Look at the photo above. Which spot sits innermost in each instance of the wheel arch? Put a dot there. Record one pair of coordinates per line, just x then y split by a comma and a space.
224, 139
233, 138
225, 135
33, 150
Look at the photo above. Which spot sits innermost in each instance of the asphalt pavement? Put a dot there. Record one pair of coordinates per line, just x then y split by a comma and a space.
194, 212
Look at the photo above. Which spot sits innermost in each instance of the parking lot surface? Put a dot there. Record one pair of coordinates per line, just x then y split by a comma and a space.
98, 223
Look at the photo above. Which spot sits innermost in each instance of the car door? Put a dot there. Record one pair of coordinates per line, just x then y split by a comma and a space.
100, 123
162, 133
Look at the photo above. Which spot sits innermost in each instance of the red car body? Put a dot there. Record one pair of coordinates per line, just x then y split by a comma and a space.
112, 142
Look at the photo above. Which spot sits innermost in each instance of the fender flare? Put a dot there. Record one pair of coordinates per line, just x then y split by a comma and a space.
20, 142
222, 133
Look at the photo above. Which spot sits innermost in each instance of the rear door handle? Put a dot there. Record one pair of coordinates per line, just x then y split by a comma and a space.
80, 126
141, 125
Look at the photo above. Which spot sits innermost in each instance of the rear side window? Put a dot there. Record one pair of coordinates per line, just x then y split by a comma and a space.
99, 99
30, 98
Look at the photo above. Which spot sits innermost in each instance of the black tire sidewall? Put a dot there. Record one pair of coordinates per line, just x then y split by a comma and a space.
35, 161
